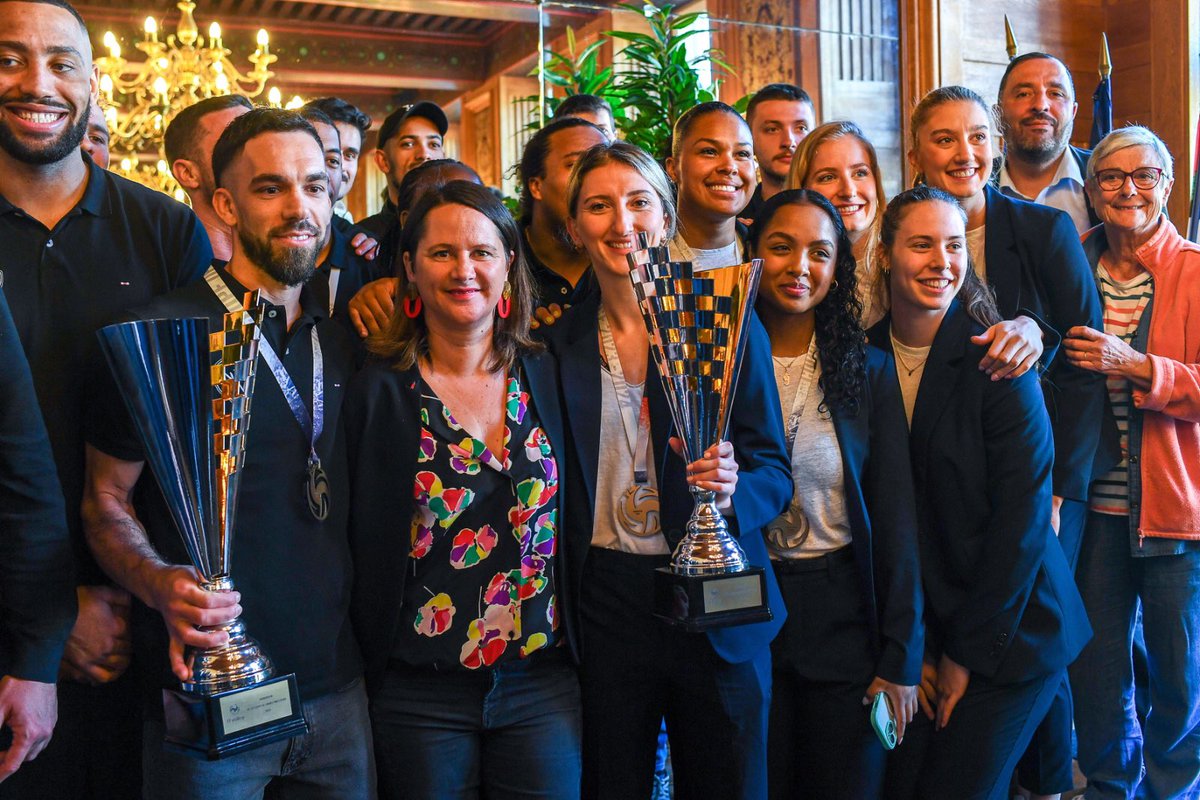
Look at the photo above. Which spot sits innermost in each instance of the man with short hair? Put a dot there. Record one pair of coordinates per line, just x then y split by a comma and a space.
293, 560
341, 271
80, 246
560, 269
95, 141
188, 142
408, 136
352, 126
780, 115
1036, 105
593, 108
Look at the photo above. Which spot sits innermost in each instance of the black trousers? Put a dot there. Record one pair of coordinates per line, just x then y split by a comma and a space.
637, 670
973, 757
821, 743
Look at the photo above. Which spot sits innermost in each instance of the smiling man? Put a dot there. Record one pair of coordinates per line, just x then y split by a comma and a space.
293, 569
1037, 114
81, 245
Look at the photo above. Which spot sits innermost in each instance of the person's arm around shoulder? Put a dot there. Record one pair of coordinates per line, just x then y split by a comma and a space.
124, 552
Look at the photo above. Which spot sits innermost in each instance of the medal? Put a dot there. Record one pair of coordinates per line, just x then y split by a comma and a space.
638, 511
318, 490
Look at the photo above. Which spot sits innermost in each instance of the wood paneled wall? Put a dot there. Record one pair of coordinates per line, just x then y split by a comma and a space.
1156, 80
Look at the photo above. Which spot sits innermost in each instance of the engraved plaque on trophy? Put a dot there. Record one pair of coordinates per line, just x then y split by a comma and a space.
189, 394
696, 321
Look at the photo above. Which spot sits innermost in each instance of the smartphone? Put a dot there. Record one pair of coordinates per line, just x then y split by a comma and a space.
883, 720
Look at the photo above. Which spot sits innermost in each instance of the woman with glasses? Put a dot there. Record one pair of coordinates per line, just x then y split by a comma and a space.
1142, 541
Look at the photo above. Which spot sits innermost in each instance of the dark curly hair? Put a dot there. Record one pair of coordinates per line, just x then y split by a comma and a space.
841, 343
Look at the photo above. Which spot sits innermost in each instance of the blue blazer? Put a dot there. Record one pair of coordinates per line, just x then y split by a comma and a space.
380, 419
877, 481
764, 475
999, 595
1037, 268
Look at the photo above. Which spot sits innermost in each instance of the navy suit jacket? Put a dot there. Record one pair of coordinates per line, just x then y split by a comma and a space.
1000, 597
877, 481
1037, 268
756, 430
381, 421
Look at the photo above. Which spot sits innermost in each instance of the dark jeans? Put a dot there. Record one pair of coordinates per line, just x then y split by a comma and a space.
1120, 757
637, 670
332, 761
822, 744
507, 732
973, 757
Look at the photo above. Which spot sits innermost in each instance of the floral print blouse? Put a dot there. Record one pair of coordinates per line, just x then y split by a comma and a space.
484, 534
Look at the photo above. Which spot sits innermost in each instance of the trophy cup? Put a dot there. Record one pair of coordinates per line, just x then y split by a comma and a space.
696, 321
189, 393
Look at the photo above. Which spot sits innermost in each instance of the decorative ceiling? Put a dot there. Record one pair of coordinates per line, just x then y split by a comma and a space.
378, 54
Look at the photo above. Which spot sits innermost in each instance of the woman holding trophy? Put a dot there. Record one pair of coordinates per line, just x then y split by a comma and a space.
630, 503
455, 520
845, 551
1003, 615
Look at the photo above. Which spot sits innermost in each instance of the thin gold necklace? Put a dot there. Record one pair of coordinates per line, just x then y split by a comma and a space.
787, 367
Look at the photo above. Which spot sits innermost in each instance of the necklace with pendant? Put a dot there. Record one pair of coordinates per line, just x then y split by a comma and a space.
787, 364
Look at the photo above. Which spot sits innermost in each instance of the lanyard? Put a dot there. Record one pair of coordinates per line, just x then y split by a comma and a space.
335, 273
804, 384
635, 415
313, 424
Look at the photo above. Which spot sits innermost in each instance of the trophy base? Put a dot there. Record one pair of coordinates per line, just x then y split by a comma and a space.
699, 603
220, 725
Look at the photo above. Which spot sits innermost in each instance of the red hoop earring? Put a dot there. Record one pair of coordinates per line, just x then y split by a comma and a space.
504, 307
412, 305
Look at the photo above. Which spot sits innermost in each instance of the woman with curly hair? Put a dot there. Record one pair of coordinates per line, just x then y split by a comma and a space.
845, 551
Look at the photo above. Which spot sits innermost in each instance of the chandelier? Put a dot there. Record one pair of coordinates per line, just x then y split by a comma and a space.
142, 97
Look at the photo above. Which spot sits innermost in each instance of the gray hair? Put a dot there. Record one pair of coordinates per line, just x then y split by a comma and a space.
1131, 136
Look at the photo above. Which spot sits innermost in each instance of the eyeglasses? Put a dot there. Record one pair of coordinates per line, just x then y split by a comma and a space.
1143, 178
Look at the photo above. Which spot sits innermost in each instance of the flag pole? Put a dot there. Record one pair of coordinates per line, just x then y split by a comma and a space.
1010, 39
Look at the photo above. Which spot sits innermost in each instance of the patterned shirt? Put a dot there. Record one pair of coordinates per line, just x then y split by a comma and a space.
1124, 302
484, 535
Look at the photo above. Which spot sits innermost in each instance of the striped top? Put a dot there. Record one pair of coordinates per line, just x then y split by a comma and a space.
1124, 302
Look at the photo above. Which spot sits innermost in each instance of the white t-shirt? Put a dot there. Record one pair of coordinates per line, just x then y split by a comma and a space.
976, 240
910, 366
726, 256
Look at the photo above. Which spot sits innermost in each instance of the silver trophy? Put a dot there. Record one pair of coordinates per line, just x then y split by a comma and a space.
697, 322
189, 392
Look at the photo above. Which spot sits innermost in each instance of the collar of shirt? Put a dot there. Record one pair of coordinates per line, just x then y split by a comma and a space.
1067, 170
95, 200
311, 311
339, 246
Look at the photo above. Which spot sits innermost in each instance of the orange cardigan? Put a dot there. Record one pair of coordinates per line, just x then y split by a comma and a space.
1170, 447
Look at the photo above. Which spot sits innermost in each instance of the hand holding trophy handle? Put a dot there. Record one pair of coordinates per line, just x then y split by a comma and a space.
715, 473
194, 617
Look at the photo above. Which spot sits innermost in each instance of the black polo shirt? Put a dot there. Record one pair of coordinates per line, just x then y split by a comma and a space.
353, 271
384, 227
120, 246
549, 285
292, 570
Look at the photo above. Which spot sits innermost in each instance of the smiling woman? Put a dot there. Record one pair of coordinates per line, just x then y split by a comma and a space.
712, 163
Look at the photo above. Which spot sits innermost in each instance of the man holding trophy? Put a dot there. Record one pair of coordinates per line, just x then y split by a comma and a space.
290, 561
